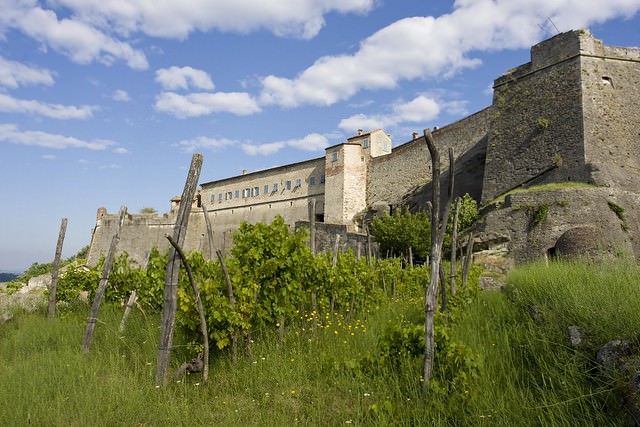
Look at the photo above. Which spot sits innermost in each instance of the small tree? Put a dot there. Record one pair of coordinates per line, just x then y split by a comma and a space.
401, 231
148, 210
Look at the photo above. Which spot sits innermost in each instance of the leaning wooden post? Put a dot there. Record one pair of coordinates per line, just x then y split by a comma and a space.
173, 269
127, 310
196, 295
102, 286
454, 249
207, 222
56, 266
437, 236
232, 303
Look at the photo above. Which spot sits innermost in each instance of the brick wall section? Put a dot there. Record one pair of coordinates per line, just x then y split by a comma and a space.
611, 102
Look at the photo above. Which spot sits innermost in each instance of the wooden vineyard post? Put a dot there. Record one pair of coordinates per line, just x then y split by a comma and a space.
102, 286
467, 259
196, 295
443, 289
169, 305
454, 249
336, 248
56, 267
438, 228
232, 303
369, 260
312, 226
207, 221
127, 310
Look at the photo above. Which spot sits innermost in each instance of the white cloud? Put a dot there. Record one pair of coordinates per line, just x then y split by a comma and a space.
263, 149
121, 95
204, 103
48, 157
80, 41
174, 78
120, 150
14, 74
206, 143
9, 104
311, 142
177, 19
419, 110
10, 133
430, 47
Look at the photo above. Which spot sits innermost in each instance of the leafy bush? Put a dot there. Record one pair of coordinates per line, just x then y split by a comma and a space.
401, 231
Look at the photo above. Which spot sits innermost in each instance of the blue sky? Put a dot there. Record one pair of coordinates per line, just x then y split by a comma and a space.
102, 102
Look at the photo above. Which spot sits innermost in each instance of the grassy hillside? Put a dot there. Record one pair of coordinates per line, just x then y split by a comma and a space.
523, 371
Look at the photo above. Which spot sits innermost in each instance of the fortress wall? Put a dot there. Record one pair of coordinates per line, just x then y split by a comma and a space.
611, 103
537, 125
226, 221
140, 232
408, 167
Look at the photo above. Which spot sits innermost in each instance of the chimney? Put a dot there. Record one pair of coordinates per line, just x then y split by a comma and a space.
359, 132
244, 171
415, 135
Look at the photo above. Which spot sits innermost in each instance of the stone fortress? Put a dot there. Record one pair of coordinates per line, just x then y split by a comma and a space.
570, 115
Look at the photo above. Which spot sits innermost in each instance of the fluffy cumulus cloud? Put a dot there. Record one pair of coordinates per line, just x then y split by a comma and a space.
174, 78
9, 104
121, 96
14, 74
205, 143
419, 110
79, 40
12, 134
311, 142
203, 103
177, 19
100, 30
429, 47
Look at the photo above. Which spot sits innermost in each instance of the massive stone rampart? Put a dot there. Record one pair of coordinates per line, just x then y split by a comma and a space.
408, 168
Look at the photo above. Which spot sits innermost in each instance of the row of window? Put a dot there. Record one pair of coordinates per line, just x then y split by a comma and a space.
255, 191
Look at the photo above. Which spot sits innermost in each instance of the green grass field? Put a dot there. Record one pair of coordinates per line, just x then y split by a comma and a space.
527, 373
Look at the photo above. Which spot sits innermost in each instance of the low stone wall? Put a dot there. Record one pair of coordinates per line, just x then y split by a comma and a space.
326, 239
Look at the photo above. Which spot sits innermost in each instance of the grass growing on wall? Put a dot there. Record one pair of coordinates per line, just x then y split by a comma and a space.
545, 187
527, 373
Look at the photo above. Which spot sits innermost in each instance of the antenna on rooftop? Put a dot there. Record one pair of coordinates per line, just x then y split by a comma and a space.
554, 25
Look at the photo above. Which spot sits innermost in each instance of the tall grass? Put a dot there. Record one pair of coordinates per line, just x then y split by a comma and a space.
528, 373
